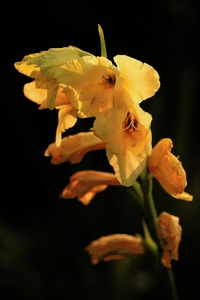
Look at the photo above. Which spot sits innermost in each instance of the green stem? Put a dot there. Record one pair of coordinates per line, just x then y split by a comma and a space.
171, 285
147, 188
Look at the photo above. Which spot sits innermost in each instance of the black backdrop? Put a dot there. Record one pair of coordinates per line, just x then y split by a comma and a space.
42, 236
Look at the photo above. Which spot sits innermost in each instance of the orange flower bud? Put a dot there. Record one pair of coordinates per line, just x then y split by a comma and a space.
168, 170
114, 246
169, 232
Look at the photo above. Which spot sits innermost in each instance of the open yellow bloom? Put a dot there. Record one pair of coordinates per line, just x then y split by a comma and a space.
70, 76
80, 84
74, 147
169, 232
86, 184
45, 90
168, 170
125, 128
114, 246
43, 67
123, 125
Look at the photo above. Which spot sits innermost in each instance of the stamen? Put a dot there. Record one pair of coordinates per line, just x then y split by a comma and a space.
110, 79
130, 122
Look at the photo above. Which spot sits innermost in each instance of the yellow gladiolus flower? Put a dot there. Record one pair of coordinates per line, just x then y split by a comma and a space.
68, 75
125, 128
168, 170
123, 125
80, 84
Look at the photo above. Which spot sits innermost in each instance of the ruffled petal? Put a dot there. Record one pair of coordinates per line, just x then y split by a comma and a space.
140, 79
27, 68
34, 94
52, 60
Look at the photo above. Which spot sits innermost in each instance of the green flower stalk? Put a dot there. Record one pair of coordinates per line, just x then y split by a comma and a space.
154, 244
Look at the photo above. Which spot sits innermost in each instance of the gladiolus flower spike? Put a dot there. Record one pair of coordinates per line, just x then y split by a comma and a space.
81, 85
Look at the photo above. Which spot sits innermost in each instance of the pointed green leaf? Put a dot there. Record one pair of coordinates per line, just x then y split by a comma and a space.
102, 41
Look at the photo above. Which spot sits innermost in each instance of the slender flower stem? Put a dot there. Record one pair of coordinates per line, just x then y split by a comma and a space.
172, 291
147, 188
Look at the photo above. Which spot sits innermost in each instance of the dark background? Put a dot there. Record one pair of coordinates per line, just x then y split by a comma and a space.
42, 237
